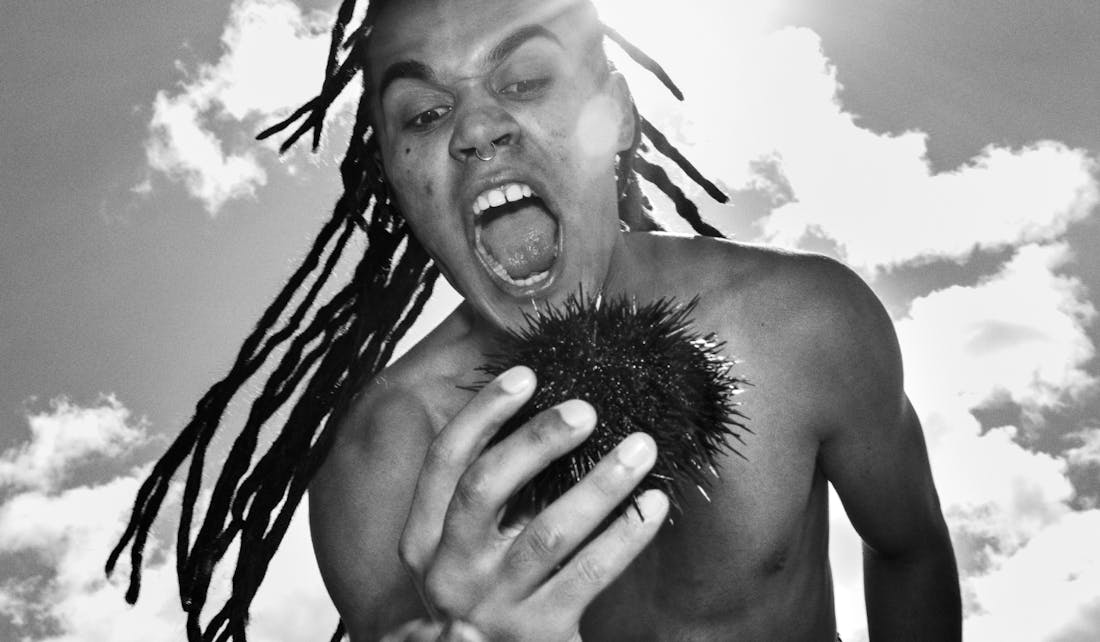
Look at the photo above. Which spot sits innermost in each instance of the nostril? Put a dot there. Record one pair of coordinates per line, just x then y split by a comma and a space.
491, 147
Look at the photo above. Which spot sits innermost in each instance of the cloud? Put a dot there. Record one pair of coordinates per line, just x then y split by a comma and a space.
68, 533
764, 115
883, 206
182, 148
201, 132
1048, 590
66, 435
1020, 335
772, 122
63, 534
768, 119
1087, 453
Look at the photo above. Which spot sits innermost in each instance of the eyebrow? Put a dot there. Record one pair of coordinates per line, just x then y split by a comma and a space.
416, 70
517, 38
413, 69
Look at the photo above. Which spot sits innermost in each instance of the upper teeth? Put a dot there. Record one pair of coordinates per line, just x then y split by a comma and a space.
500, 195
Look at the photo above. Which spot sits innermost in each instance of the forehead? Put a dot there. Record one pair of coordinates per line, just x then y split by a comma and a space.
457, 34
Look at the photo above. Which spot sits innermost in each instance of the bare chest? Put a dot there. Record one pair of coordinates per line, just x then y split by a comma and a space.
750, 562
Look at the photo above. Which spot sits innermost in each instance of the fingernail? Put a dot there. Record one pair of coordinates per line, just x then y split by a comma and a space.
652, 503
463, 632
576, 413
633, 451
516, 380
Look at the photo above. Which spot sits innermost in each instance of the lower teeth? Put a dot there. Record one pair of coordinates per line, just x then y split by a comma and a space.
531, 280
499, 270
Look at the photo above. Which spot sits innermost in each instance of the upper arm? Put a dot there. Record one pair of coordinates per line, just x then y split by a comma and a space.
872, 448
358, 503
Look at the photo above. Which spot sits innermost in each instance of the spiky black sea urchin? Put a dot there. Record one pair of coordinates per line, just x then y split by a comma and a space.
643, 369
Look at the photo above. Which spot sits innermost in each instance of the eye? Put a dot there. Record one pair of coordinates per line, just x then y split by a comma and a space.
525, 87
426, 118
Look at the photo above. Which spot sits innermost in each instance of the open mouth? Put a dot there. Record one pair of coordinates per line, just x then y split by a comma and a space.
515, 234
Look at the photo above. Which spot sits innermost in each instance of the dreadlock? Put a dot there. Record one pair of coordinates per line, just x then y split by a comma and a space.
327, 355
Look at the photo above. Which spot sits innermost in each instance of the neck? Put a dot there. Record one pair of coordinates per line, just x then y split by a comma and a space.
630, 271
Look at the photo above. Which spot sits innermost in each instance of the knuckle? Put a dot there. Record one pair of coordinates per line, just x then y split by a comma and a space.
409, 553
545, 540
543, 431
591, 570
607, 483
475, 489
437, 590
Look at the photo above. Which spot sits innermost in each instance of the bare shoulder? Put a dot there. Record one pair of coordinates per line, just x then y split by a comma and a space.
795, 291
825, 319
806, 314
358, 502
359, 499
790, 278
409, 400
817, 301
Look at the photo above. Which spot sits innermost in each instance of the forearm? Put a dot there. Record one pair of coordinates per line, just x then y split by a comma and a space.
914, 597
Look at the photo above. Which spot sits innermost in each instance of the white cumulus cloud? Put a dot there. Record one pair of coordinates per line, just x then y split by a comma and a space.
65, 435
764, 114
883, 206
201, 132
67, 532
1029, 565
1048, 590
1019, 335
1087, 450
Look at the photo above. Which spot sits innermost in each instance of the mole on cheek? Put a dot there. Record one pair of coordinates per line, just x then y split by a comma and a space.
428, 189
407, 150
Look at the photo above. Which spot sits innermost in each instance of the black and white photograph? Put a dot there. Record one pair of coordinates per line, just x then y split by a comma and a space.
549, 320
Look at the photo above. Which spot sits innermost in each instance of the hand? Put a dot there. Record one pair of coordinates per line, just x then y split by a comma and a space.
428, 631
507, 583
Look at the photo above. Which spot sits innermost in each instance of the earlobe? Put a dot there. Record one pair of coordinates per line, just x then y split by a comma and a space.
628, 116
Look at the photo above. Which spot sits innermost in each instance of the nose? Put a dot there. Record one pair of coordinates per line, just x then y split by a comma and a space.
482, 128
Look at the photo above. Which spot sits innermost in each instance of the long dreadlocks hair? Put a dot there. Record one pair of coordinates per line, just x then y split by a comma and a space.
330, 354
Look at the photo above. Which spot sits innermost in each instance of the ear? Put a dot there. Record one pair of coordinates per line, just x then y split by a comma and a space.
628, 116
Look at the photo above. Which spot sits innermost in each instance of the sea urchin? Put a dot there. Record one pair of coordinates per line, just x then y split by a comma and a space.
643, 369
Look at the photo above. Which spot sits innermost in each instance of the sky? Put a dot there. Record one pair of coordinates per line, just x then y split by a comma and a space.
948, 152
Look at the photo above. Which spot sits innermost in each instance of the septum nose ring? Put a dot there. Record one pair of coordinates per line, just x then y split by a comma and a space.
488, 156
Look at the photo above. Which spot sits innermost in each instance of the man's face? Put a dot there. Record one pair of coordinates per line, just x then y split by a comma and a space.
455, 82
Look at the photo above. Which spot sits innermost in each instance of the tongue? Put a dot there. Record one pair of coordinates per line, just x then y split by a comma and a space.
521, 241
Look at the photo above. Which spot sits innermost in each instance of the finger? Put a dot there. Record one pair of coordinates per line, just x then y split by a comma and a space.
559, 529
451, 452
422, 630
459, 631
485, 488
601, 562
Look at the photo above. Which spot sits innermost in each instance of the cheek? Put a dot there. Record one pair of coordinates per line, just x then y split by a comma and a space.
420, 189
415, 188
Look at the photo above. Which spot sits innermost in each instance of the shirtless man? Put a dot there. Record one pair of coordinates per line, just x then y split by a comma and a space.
471, 96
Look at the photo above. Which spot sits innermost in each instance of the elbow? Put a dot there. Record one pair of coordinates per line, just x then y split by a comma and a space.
931, 546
